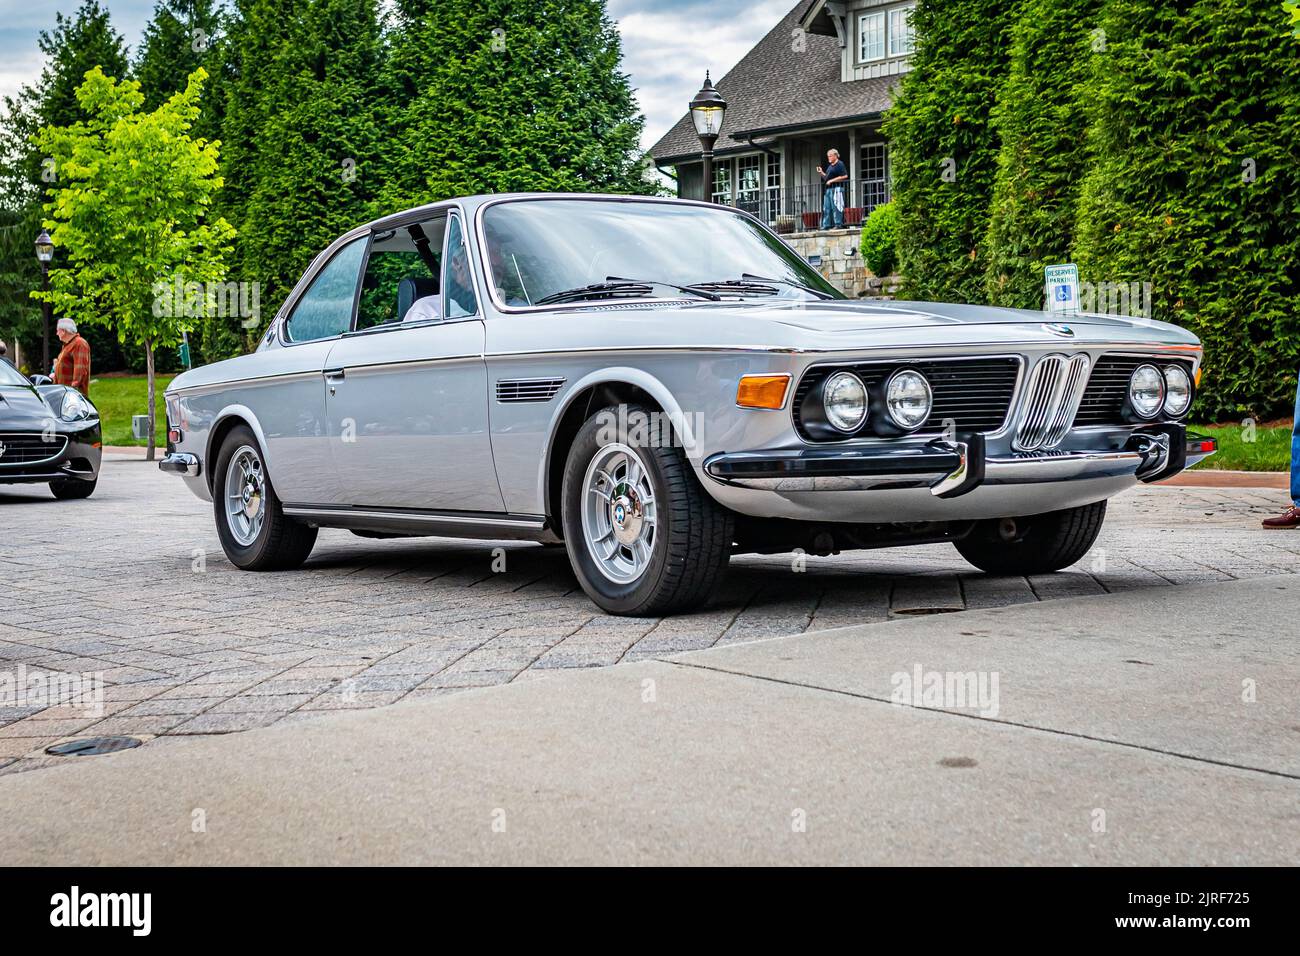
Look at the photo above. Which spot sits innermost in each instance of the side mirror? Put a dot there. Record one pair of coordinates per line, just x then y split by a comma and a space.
42, 380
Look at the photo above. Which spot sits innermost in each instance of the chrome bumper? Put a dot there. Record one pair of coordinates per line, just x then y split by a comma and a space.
181, 463
950, 469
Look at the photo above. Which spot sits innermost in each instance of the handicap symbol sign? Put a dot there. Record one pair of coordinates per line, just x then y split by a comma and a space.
1062, 290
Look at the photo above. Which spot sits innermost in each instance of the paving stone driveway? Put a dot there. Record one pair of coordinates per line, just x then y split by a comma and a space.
132, 584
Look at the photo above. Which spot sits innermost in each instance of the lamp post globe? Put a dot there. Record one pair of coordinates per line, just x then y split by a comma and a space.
708, 110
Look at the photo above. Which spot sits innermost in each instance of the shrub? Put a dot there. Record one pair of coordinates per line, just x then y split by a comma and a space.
879, 239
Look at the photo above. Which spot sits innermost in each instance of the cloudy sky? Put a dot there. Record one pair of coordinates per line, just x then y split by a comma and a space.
667, 44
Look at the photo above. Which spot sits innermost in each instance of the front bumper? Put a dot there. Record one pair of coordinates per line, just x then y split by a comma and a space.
942, 479
73, 454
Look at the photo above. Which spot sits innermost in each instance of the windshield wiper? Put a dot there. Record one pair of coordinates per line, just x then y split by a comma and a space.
690, 289
616, 287
758, 285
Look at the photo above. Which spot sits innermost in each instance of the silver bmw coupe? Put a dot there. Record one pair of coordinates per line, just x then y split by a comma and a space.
660, 384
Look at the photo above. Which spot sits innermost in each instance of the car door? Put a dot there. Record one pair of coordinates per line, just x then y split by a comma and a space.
406, 401
288, 400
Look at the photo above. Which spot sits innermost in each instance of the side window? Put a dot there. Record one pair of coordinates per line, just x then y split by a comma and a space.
459, 299
401, 280
325, 309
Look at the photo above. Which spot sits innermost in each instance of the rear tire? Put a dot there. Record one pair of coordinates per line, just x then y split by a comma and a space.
1042, 543
667, 549
69, 489
263, 539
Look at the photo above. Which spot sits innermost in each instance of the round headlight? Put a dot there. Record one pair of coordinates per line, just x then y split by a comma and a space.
1146, 391
844, 399
1178, 390
908, 399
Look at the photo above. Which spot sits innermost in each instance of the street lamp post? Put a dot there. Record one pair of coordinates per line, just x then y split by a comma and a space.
707, 112
44, 253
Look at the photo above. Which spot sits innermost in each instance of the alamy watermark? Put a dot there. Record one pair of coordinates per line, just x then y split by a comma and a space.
649, 429
950, 690
42, 689
205, 300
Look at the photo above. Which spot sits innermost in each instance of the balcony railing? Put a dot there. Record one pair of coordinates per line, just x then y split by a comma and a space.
799, 209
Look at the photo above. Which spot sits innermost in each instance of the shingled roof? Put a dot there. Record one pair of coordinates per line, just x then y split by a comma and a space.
774, 89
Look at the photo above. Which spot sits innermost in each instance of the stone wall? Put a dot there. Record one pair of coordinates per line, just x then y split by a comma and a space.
835, 254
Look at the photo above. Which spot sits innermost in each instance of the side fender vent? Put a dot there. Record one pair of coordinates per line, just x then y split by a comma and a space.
527, 389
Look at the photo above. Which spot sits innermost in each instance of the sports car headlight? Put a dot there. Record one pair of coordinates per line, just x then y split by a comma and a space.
1178, 390
908, 399
75, 408
1146, 391
844, 400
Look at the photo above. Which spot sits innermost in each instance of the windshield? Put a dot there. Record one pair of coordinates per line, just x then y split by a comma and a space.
11, 376
539, 248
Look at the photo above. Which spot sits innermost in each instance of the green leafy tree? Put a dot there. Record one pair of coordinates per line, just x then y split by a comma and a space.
77, 44
1192, 185
943, 148
182, 36
300, 133
496, 95
1040, 120
131, 213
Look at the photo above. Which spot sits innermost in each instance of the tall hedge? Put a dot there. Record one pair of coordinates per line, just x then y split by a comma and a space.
1193, 184
1040, 121
939, 130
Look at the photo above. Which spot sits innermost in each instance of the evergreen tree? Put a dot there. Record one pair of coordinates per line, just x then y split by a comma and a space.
1193, 185
182, 36
943, 148
299, 134
1040, 121
77, 44
496, 95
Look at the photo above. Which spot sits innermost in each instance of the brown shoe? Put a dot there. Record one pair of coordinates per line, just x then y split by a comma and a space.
1288, 519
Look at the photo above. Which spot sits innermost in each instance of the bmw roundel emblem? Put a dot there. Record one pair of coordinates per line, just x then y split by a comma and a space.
619, 513
1059, 328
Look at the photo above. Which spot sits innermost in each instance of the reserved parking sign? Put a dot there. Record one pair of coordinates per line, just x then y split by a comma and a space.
1062, 288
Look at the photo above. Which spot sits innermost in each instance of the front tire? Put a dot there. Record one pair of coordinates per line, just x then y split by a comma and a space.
69, 489
254, 532
1039, 544
643, 537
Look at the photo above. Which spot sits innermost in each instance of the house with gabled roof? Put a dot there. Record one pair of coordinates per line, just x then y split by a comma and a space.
821, 78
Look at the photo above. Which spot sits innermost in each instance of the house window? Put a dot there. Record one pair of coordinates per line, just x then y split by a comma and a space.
773, 187
871, 37
874, 170
722, 182
749, 184
902, 39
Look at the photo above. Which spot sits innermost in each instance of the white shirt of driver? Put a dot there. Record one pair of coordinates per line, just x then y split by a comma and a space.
422, 309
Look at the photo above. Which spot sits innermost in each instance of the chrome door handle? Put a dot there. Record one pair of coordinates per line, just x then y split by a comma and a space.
332, 377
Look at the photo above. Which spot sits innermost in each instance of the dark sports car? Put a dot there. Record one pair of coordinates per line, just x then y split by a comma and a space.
48, 434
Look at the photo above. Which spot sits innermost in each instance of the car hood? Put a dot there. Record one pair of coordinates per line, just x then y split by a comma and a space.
849, 325
849, 317
22, 408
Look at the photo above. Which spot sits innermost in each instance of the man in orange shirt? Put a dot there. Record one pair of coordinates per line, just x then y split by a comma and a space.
72, 367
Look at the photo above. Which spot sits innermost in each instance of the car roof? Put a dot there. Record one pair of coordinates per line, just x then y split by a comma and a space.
471, 203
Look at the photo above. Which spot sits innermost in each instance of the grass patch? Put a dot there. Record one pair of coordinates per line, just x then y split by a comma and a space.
1270, 451
118, 397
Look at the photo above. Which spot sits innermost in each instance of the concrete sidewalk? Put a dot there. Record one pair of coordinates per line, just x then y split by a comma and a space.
1120, 736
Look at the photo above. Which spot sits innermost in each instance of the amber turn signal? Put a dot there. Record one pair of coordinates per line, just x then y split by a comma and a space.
762, 391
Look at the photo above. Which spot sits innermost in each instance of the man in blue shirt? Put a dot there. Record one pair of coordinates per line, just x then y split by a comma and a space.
834, 177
